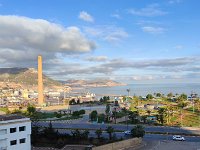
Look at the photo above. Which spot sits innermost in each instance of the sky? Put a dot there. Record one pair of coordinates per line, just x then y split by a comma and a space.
131, 41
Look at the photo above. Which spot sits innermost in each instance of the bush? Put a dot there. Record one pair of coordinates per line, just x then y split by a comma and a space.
76, 113
82, 111
138, 131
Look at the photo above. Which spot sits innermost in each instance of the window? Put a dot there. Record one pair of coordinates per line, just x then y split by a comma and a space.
14, 142
12, 130
22, 128
22, 140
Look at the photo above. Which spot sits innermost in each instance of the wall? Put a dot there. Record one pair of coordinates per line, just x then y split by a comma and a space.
120, 145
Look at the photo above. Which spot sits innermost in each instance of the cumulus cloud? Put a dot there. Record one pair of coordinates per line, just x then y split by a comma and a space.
86, 17
107, 33
23, 38
97, 58
148, 11
153, 30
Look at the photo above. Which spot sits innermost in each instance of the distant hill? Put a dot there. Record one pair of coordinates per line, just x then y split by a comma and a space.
92, 83
24, 77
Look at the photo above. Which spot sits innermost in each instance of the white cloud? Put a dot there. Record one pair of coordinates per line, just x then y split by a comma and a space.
141, 78
86, 17
22, 39
107, 33
97, 58
149, 11
153, 30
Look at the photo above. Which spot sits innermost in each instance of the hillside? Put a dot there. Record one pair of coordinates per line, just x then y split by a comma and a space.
24, 77
92, 83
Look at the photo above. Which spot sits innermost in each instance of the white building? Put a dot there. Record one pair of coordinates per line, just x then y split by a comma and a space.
15, 132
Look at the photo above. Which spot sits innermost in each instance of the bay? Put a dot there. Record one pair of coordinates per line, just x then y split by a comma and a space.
144, 89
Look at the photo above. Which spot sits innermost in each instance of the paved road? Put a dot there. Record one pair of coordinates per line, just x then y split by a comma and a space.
119, 127
147, 137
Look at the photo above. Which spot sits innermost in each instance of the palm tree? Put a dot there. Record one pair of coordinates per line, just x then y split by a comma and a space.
110, 130
161, 113
98, 132
128, 90
85, 134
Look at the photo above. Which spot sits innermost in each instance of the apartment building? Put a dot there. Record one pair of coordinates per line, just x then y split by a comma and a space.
15, 132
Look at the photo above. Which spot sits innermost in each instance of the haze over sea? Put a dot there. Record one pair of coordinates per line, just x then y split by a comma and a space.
144, 89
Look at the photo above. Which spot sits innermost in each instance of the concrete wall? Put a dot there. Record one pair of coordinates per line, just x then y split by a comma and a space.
120, 145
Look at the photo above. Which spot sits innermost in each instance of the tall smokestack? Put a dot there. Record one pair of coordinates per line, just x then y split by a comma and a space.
40, 82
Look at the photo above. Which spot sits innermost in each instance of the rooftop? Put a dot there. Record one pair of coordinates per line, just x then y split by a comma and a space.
10, 117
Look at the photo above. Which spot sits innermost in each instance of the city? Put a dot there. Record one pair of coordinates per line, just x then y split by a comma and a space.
116, 76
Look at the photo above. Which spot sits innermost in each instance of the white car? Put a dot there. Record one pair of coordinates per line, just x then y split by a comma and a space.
127, 132
178, 138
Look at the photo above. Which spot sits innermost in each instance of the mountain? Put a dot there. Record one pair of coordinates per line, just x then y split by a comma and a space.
25, 78
92, 83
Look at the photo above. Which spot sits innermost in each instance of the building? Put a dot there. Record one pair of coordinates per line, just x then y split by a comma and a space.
15, 132
40, 82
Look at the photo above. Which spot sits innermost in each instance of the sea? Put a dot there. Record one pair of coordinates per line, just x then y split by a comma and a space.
144, 89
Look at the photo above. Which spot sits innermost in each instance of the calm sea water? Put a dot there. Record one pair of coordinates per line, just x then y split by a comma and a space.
144, 89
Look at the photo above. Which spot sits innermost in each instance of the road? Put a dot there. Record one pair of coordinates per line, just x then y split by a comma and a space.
147, 137
174, 130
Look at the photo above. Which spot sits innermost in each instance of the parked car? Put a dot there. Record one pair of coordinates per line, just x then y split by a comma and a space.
178, 138
127, 132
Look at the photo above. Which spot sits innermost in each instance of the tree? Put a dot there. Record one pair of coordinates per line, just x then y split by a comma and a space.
76, 134
182, 97
85, 134
72, 102
149, 96
49, 132
110, 130
107, 111
101, 118
161, 114
138, 131
170, 95
158, 95
31, 110
93, 115
133, 116
98, 132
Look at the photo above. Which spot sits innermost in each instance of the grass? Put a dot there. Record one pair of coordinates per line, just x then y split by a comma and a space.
4, 109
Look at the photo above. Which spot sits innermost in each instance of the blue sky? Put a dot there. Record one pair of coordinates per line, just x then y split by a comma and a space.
133, 41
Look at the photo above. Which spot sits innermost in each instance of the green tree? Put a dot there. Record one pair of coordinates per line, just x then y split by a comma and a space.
170, 95
93, 115
158, 94
101, 118
31, 110
110, 130
133, 116
138, 131
85, 134
161, 114
149, 96
76, 134
183, 97
107, 111
98, 132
